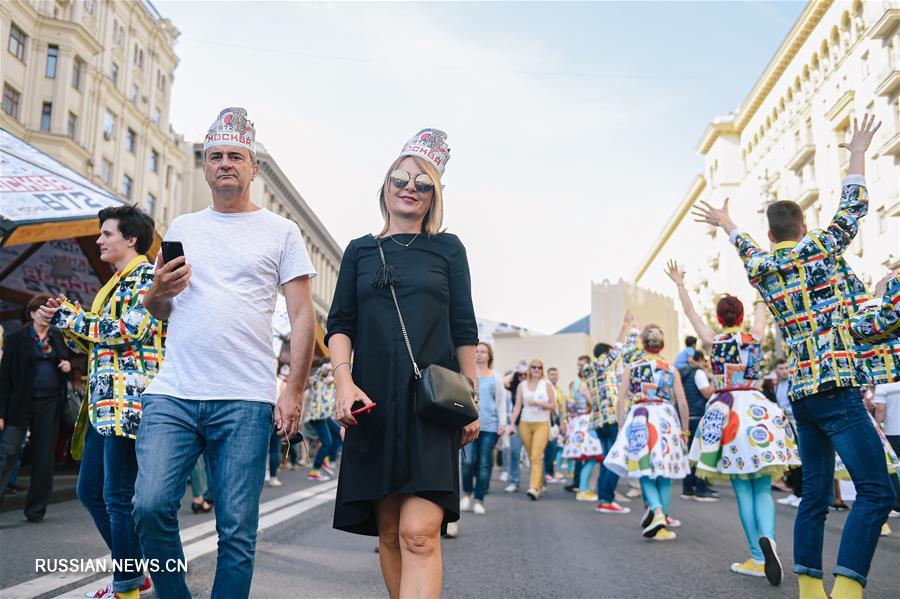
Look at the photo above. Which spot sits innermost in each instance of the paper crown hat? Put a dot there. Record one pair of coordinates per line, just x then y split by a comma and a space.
231, 128
430, 144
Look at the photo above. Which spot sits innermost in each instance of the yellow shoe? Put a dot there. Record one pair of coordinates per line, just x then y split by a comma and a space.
846, 588
885, 529
750, 567
664, 534
585, 496
811, 587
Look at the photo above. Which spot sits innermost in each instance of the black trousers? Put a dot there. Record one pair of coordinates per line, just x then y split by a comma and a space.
43, 420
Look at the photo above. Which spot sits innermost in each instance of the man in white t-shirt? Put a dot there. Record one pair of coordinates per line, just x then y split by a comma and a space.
216, 390
887, 415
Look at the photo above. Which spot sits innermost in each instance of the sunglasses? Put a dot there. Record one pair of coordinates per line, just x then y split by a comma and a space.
400, 179
537, 367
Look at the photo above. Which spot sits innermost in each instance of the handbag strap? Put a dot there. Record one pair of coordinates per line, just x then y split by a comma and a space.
400, 316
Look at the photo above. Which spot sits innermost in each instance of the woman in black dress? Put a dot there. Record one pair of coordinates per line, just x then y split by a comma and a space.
399, 476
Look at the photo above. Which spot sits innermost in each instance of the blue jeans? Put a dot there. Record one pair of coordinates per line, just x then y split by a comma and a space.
329, 433
106, 488
515, 454
274, 452
174, 432
607, 481
549, 457
829, 421
477, 462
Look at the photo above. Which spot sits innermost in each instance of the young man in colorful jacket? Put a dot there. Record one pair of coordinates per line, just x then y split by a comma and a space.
124, 344
801, 284
601, 377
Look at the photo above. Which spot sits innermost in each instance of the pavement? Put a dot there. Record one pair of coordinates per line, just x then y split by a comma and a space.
555, 547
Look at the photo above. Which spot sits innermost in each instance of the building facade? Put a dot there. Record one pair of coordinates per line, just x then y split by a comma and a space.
89, 83
273, 190
839, 61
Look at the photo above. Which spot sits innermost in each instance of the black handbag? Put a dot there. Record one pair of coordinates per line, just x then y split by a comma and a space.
440, 396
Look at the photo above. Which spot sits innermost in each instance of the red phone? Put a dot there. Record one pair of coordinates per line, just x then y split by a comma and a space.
363, 409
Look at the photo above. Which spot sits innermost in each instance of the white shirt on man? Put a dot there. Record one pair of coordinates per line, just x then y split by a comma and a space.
889, 395
701, 379
219, 341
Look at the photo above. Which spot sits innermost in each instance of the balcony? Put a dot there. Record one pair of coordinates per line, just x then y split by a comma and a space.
889, 79
891, 147
886, 23
808, 196
804, 154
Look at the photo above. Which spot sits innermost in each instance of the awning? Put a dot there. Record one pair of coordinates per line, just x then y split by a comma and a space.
48, 228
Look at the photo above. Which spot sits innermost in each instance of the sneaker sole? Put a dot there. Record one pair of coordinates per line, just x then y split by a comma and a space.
774, 571
646, 519
747, 573
706, 499
650, 531
612, 511
687, 497
664, 539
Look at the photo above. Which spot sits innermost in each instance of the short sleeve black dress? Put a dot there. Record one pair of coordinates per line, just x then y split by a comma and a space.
391, 451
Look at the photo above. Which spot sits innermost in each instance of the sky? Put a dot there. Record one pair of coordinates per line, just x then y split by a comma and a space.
571, 126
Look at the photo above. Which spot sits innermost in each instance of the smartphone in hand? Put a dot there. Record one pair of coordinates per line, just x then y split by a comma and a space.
171, 250
363, 409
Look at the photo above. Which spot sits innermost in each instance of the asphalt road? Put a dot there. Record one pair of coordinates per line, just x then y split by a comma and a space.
555, 547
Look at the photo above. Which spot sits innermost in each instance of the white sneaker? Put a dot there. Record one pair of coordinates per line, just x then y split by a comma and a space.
465, 504
894, 514
632, 493
504, 476
453, 530
101, 592
266, 479
795, 501
511, 488
478, 508
274, 482
786, 500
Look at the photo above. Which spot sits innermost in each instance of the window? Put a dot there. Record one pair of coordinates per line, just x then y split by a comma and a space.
71, 125
52, 58
160, 81
151, 204
114, 73
138, 57
10, 101
106, 168
90, 6
77, 70
109, 125
135, 92
17, 39
168, 176
118, 34
154, 161
131, 141
46, 115
157, 116
127, 186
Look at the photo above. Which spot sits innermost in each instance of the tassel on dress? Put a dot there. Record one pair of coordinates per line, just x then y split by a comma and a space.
386, 276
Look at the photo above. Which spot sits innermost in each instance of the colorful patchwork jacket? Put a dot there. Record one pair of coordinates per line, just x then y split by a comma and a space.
602, 377
799, 283
879, 361
736, 358
124, 345
878, 320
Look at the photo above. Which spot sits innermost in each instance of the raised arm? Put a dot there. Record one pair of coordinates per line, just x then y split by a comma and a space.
705, 333
760, 312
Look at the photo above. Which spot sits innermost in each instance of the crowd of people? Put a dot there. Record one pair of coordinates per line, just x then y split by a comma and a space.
160, 408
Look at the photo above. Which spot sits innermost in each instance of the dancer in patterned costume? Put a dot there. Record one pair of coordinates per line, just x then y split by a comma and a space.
800, 281
582, 442
743, 436
650, 444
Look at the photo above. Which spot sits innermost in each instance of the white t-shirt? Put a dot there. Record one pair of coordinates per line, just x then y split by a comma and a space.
532, 413
219, 342
700, 379
889, 395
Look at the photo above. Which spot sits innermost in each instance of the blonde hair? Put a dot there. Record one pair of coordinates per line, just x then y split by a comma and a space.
434, 219
490, 351
652, 338
536, 362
